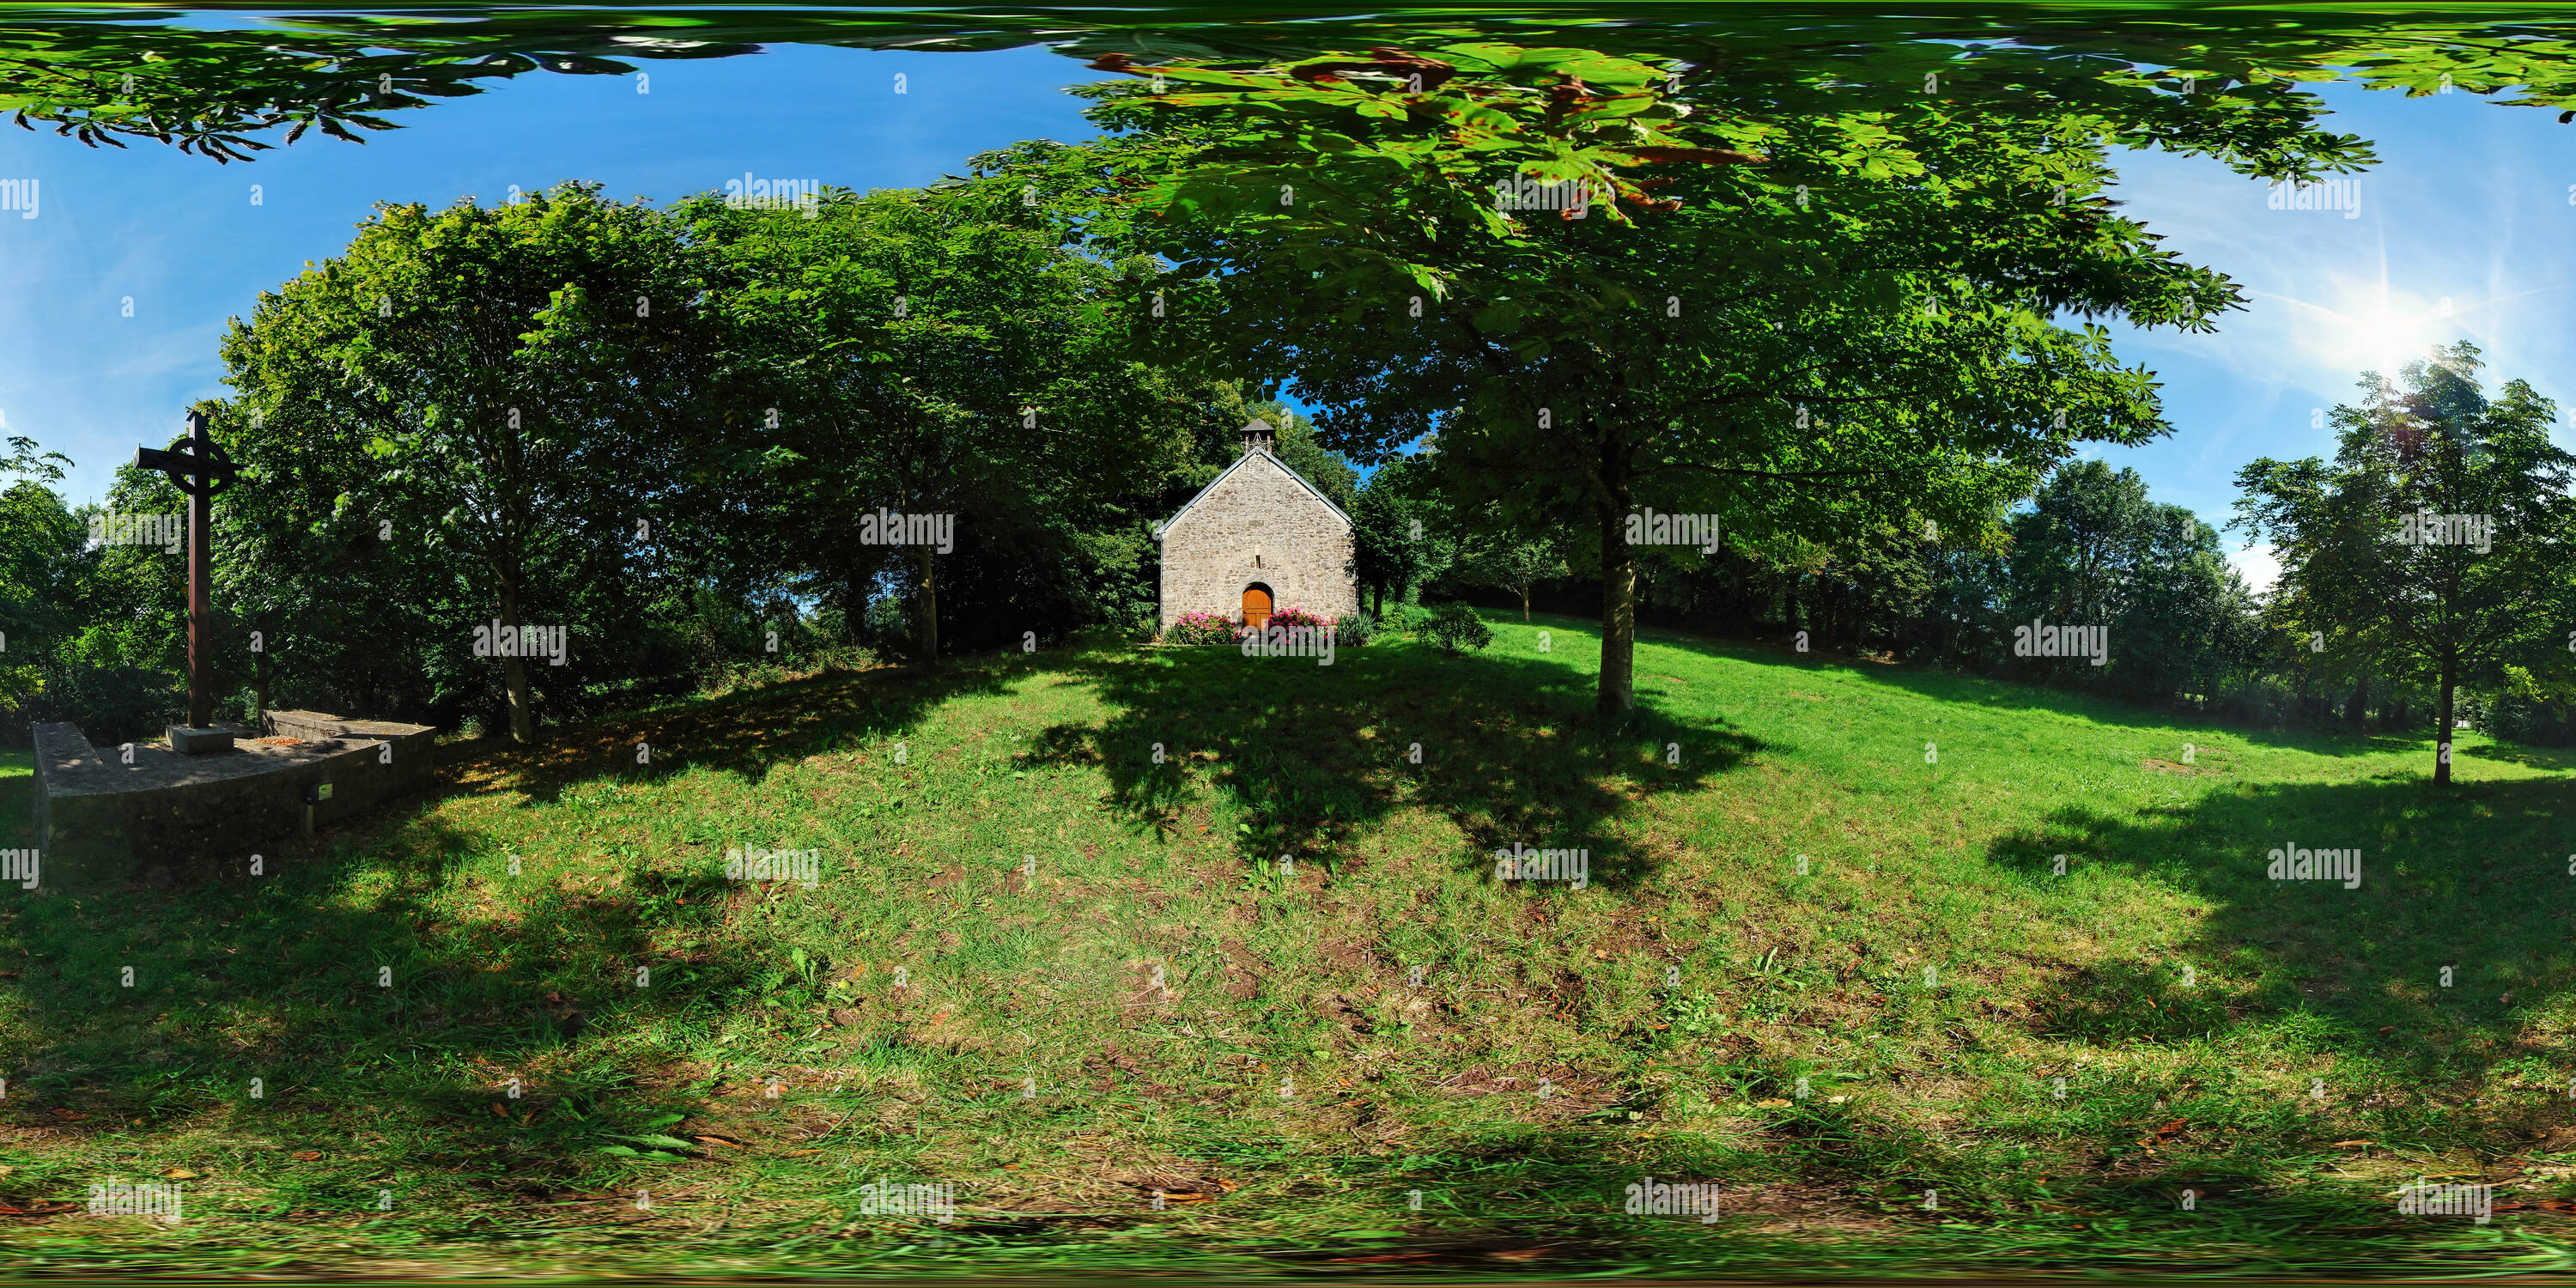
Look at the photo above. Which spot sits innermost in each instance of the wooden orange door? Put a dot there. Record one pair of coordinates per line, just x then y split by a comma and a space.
1256, 607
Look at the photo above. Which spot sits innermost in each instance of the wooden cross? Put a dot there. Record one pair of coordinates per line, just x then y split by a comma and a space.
201, 468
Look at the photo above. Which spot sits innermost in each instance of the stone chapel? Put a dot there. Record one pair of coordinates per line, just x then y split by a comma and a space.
1257, 538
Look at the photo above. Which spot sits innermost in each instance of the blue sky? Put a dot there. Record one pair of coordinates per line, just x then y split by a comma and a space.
2473, 205
2466, 230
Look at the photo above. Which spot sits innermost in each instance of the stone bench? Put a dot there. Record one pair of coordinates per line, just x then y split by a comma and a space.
105, 817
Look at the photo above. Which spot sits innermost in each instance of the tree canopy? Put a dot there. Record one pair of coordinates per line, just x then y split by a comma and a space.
1615, 281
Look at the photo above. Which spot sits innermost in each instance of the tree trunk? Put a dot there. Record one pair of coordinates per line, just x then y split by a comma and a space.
927, 606
2442, 733
1524, 604
514, 670
2356, 709
1618, 693
1377, 596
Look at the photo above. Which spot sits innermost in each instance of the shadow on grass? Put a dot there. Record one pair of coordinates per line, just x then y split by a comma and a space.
743, 734
1313, 755
336, 981
2474, 879
2559, 759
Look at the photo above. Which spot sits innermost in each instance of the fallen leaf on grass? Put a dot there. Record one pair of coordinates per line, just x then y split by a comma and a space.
1771, 1104
180, 1174
67, 1115
719, 1140
2347, 1144
305, 1155
2148, 1142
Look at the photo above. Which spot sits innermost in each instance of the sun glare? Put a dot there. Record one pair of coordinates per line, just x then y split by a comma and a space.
2384, 339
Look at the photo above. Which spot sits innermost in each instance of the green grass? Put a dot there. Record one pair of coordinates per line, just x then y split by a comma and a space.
1829, 1043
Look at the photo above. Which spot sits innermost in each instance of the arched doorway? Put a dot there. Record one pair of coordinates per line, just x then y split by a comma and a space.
1256, 606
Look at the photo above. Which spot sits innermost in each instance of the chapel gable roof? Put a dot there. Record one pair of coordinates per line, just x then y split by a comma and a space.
1239, 462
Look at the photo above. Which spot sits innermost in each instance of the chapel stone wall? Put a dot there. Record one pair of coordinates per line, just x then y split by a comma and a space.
1303, 548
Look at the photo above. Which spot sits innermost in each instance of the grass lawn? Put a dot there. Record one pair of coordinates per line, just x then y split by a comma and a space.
1241, 1006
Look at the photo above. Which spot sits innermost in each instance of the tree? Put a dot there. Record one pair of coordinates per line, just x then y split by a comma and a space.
203, 85
39, 541
1394, 543
1817, 308
1498, 555
2441, 538
2094, 550
207, 90
504, 399
939, 352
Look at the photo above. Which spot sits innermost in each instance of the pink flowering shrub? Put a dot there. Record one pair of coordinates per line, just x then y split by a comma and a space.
1210, 628
1289, 619
1201, 628
1348, 632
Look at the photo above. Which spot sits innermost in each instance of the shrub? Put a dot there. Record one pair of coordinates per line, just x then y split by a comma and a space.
2516, 717
111, 703
1354, 631
1292, 618
1456, 628
1401, 616
1200, 628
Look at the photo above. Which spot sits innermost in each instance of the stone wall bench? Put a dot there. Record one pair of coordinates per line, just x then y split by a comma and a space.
103, 818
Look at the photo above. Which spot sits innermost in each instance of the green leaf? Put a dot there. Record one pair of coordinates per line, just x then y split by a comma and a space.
1500, 318
666, 1142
